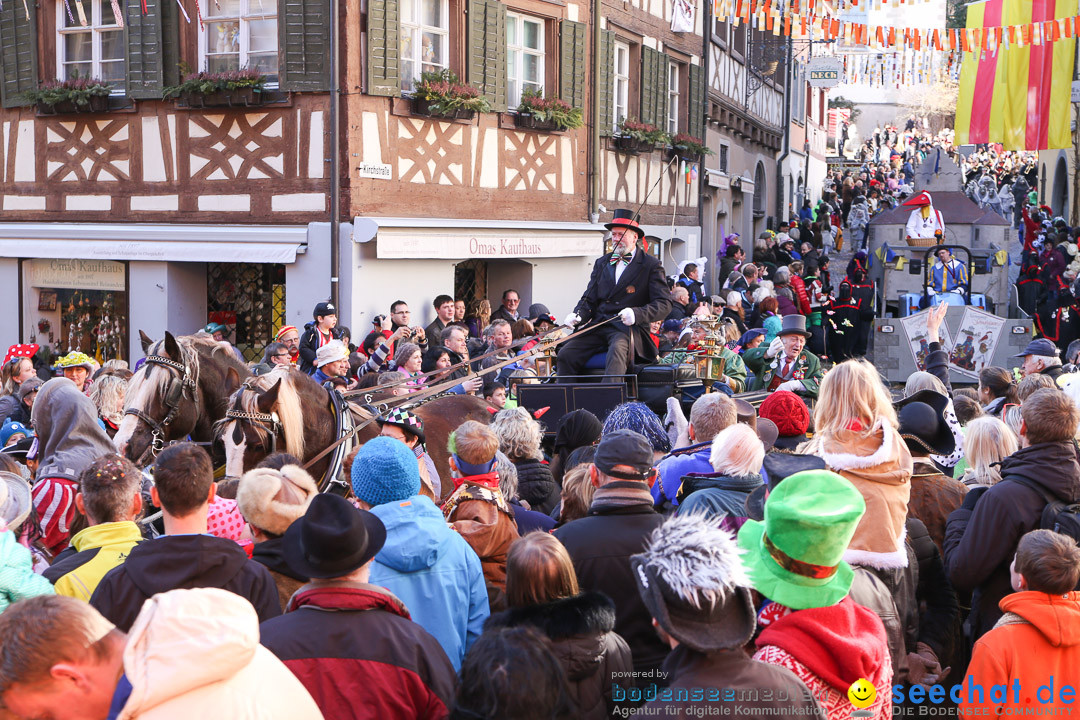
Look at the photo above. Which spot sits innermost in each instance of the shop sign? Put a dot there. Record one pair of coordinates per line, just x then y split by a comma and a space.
402, 243
77, 274
824, 72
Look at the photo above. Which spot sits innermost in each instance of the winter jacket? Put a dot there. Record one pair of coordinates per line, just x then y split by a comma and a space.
17, 578
829, 648
801, 296
772, 324
765, 369
9, 405
729, 683
600, 545
940, 624
870, 591
694, 287
97, 550
434, 572
195, 653
536, 486
720, 496
287, 581
934, 497
530, 520
981, 537
310, 344
482, 516
673, 468
183, 561
581, 630
1038, 638
357, 652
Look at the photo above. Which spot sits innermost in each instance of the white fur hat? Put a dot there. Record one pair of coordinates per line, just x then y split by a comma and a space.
272, 500
331, 352
14, 500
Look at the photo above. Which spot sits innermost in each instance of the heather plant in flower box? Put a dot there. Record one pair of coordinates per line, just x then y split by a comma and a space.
74, 95
232, 88
536, 112
688, 147
637, 137
439, 93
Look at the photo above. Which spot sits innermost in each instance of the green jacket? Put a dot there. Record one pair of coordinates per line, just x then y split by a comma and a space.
764, 369
734, 367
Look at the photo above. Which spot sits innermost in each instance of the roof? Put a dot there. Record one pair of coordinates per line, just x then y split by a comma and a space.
956, 208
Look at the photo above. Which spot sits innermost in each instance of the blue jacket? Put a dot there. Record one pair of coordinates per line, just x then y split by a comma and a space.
434, 572
686, 460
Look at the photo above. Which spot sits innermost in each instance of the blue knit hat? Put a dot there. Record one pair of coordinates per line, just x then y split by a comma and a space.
13, 428
384, 471
639, 418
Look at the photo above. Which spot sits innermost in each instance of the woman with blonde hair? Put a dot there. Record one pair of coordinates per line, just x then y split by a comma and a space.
519, 437
14, 373
989, 441
856, 436
480, 319
542, 591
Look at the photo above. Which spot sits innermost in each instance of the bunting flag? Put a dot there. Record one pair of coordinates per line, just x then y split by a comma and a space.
1017, 94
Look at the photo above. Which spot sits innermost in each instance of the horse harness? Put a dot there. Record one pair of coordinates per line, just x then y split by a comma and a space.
267, 421
181, 384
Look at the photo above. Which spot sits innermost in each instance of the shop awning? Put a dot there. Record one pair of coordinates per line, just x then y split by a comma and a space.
163, 243
454, 239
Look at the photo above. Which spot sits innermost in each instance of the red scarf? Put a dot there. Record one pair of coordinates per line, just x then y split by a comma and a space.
489, 480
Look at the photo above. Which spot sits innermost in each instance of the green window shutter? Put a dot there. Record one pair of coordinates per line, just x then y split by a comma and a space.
606, 86
18, 52
695, 113
145, 56
304, 44
573, 61
383, 48
487, 50
653, 87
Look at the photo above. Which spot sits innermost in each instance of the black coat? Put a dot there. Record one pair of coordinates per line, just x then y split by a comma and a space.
981, 537
642, 287
183, 561
600, 546
309, 346
536, 485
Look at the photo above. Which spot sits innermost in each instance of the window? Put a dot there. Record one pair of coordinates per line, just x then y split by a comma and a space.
240, 34
723, 158
738, 40
96, 50
524, 55
720, 31
424, 38
621, 83
759, 190
673, 98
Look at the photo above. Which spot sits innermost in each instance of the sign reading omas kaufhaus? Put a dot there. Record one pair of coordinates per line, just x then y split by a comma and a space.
77, 274
395, 243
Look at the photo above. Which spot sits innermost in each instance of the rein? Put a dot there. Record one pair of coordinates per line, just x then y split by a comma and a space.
179, 386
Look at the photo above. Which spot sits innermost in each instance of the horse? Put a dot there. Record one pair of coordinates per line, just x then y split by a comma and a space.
286, 409
179, 392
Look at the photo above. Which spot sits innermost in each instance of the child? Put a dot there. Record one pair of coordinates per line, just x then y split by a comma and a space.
317, 333
495, 394
1039, 635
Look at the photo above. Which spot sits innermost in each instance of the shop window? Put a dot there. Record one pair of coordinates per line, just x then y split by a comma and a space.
470, 284
524, 55
240, 34
425, 39
93, 50
79, 305
621, 84
249, 299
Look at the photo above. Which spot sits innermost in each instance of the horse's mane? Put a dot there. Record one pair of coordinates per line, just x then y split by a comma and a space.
288, 407
142, 384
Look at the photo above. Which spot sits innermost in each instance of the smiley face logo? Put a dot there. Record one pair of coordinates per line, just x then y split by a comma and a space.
862, 693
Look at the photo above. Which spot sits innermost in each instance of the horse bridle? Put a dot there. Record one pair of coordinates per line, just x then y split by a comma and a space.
267, 421
180, 385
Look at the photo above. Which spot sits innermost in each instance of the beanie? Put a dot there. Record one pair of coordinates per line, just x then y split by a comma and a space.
385, 470
788, 411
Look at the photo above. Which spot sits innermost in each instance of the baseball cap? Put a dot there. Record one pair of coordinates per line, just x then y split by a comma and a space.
627, 448
1041, 347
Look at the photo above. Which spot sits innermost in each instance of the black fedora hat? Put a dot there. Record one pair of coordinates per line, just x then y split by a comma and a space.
777, 467
332, 539
625, 219
923, 425
794, 325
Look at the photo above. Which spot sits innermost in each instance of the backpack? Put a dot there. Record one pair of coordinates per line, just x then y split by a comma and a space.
1058, 515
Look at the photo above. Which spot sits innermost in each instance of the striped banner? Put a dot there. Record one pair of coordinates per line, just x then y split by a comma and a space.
1015, 86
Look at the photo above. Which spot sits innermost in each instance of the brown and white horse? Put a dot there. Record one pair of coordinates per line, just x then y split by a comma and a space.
181, 390
287, 410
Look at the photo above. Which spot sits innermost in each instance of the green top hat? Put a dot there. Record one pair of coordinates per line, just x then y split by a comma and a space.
794, 556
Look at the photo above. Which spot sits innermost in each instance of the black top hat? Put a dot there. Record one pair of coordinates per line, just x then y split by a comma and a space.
923, 425
794, 325
625, 219
332, 539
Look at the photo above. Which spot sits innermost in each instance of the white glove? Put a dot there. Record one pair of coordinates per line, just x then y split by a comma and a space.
792, 386
774, 347
572, 319
627, 316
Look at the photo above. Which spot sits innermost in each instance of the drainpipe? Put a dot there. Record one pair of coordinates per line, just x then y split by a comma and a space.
787, 138
706, 40
335, 155
594, 170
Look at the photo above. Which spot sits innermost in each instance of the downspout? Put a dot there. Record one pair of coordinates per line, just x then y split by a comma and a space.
594, 169
706, 48
786, 121
335, 155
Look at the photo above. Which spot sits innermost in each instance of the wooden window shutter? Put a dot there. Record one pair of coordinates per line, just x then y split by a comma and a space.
18, 53
487, 51
383, 48
606, 86
573, 62
304, 45
654, 81
143, 35
695, 115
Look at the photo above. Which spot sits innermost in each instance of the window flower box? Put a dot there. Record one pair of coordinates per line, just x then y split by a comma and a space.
535, 112
635, 138
74, 95
237, 88
440, 94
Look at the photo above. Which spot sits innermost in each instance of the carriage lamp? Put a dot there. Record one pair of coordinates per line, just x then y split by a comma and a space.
544, 361
708, 361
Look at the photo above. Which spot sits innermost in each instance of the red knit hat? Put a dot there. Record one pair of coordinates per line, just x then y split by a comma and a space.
788, 411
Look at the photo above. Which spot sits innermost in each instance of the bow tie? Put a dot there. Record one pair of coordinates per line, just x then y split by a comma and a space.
624, 259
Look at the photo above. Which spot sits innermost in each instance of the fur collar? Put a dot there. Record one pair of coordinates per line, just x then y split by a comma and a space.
589, 613
880, 560
850, 461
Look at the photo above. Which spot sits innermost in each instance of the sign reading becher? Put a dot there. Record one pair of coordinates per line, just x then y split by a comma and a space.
824, 72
